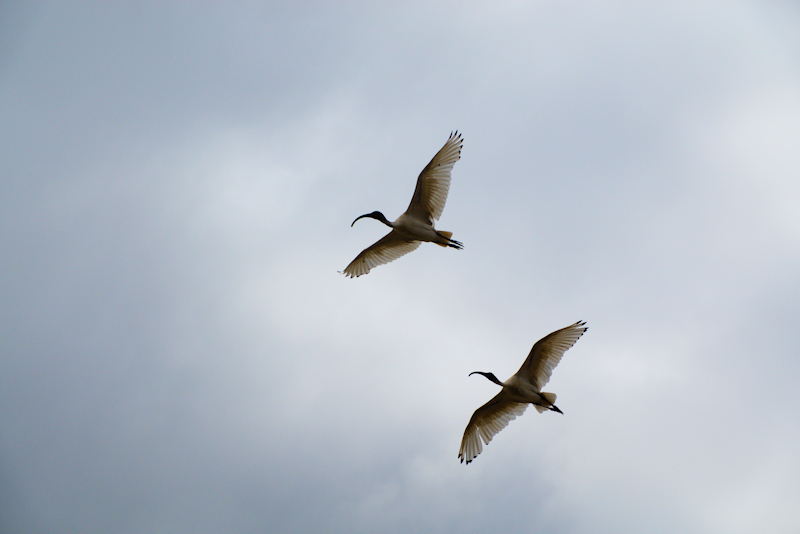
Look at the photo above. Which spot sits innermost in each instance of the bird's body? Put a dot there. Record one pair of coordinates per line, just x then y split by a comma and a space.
524, 388
522, 391
417, 223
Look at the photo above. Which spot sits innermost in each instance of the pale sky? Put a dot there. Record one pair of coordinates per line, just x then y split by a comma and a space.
178, 353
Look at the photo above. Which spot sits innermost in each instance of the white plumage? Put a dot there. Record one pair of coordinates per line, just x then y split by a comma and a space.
417, 223
524, 388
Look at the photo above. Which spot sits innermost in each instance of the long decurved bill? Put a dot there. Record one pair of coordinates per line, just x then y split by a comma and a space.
361, 217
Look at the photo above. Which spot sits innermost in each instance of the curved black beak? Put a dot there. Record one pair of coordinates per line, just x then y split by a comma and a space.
378, 216
361, 217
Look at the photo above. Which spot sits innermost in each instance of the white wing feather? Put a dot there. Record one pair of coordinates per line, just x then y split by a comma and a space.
486, 422
388, 248
547, 352
433, 182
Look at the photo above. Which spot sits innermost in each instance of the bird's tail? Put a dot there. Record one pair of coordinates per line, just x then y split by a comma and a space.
448, 235
549, 397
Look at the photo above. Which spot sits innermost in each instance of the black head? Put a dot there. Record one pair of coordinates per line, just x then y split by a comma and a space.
489, 376
374, 215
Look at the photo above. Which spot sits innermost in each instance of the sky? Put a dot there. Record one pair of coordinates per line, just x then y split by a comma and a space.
179, 354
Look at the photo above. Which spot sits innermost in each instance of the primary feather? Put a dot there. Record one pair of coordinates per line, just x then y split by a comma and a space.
433, 183
548, 351
388, 248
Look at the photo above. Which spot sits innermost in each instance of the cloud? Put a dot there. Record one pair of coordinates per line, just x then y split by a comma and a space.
180, 354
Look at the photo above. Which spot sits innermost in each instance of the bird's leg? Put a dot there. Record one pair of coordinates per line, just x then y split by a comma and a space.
555, 409
458, 245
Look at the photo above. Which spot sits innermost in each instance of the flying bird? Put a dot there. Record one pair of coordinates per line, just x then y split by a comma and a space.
416, 224
524, 388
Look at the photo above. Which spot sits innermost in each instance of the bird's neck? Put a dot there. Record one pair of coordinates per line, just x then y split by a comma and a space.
379, 217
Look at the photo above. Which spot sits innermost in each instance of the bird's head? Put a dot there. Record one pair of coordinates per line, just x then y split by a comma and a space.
374, 215
489, 376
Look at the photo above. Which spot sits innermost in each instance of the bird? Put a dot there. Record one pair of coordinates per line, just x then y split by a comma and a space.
416, 224
524, 388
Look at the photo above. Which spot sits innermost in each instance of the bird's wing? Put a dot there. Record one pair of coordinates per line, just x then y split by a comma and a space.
388, 248
487, 421
433, 183
547, 352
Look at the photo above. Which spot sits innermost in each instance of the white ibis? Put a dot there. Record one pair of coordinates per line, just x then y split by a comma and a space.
416, 224
524, 388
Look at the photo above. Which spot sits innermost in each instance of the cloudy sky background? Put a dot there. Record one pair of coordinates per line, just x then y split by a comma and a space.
179, 354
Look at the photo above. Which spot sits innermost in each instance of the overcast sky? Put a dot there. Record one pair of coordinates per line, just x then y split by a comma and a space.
178, 353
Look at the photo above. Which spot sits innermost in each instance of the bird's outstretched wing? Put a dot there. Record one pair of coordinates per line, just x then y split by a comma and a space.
487, 421
388, 248
547, 352
433, 183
